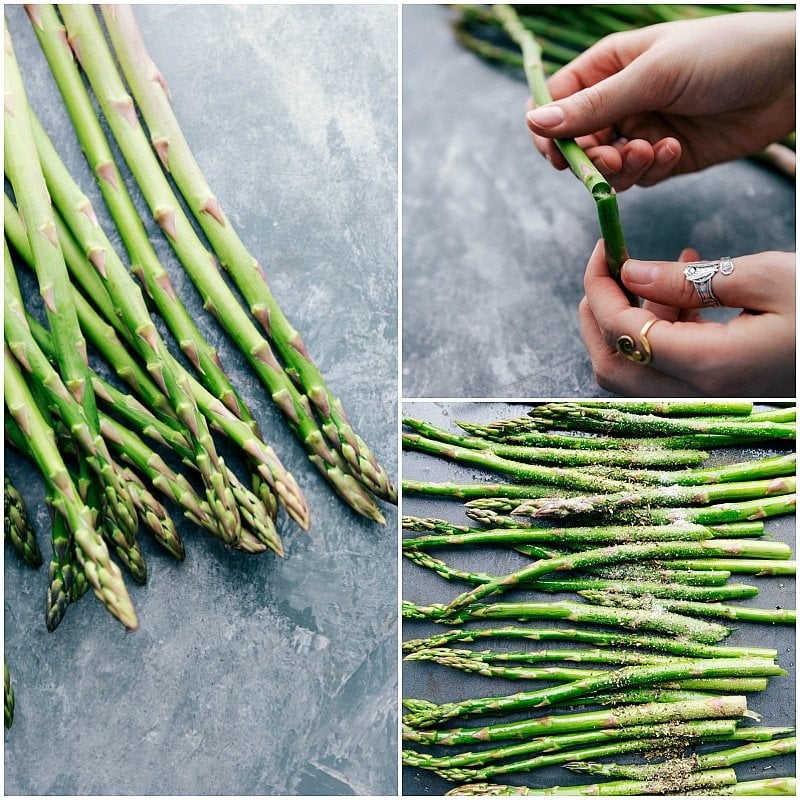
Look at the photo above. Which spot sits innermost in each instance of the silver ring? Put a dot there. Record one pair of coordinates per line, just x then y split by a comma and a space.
700, 274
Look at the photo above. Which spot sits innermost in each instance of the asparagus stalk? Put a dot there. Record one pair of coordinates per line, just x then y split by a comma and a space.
567, 536
750, 566
670, 408
8, 696
619, 657
701, 761
553, 476
663, 496
150, 91
153, 514
614, 420
423, 714
785, 616
657, 620
117, 106
768, 786
17, 528
678, 583
677, 591
621, 553
683, 731
597, 751
63, 564
604, 197
515, 673
561, 456
704, 782
24, 172
466, 491
730, 707
101, 572
612, 639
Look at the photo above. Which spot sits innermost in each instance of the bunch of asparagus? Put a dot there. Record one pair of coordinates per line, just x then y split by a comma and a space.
643, 511
110, 451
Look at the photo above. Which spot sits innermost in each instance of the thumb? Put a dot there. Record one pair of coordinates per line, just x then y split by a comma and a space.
664, 282
593, 108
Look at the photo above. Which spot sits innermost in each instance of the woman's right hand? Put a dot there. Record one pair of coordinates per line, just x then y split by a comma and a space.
674, 98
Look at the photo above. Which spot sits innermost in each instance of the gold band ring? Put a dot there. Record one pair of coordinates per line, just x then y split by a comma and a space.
627, 346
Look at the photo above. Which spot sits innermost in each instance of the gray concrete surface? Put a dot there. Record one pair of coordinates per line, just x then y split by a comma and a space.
429, 681
495, 241
248, 675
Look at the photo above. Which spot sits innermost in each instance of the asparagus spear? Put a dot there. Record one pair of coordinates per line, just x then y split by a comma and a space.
785, 616
621, 553
25, 175
657, 620
101, 572
423, 714
554, 476
153, 514
613, 420
515, 673
550, 759
706, 782
721, 728
673, 585
604, 197
603, 505
701, 761
477, 490
750, 566
762, 508
117, 108
63, 565
676, 647
176, 156
17, 527
677, 591
620, 657
730, 707
8, 704
561, 456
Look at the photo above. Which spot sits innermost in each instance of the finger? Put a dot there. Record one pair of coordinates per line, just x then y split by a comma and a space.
617, 374
606, 158
612, 309
746, 287
726, 359
593, 108
637, 158
675, 314
667, 154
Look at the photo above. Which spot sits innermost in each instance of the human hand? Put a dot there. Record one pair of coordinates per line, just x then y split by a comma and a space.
753, 355
674, 98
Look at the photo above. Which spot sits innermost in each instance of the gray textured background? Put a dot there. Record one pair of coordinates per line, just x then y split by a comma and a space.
249, 675
495, 241
429, 681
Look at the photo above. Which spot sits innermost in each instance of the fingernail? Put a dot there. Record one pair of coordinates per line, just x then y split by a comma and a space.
600, 164
546, 117
640, 272
635, 162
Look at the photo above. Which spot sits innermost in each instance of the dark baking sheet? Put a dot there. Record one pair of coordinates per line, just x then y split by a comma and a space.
441, 684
